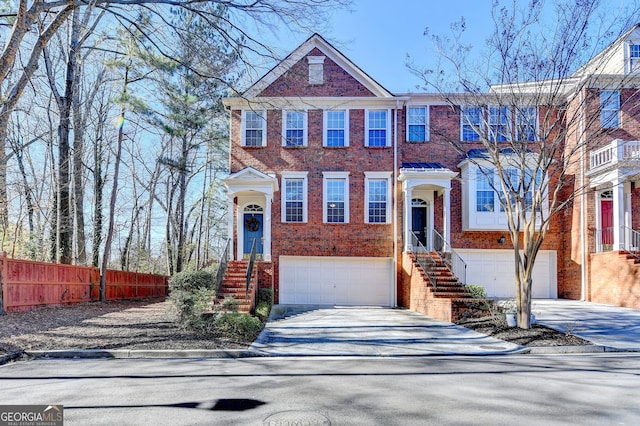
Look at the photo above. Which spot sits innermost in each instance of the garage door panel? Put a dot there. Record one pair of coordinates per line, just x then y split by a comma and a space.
336, 280
495, 270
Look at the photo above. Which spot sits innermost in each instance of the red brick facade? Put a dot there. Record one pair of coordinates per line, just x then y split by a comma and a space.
346, 87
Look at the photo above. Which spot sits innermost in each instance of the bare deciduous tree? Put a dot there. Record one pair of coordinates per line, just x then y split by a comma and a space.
523, 102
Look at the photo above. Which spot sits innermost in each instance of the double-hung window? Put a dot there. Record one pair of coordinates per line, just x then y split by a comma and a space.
634, 57
377, 127
512, 187
417, 122
294, 197
532, 187
336, 125
485, 195
498, 123
610, 109
471, 123
336, 197
254, 128
377, 195
526, 123
294, 128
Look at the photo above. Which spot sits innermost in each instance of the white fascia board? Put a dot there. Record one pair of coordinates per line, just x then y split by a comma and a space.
309, 102
316, 41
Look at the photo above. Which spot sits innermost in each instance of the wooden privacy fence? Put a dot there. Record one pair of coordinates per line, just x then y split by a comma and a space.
27, 284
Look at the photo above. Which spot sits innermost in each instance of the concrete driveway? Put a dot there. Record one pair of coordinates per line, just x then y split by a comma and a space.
363, 331
613, 327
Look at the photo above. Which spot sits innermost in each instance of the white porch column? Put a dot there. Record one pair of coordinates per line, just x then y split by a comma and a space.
628, 240
599, 228
618, 216
266, 244
230, 215
446, 209
407, 219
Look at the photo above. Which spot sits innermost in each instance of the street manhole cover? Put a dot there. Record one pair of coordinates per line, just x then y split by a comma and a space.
306, 418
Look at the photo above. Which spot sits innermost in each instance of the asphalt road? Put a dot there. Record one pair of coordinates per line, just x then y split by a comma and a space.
584, 389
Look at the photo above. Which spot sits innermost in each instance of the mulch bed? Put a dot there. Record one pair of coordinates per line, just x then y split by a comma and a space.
141, 324
536, 336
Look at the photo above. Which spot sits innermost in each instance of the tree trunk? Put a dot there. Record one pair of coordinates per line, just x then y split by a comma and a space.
98, 184
114, 198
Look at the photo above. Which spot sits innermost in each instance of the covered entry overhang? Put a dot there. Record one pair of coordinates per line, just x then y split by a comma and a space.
613, 170
422, 182
254, 192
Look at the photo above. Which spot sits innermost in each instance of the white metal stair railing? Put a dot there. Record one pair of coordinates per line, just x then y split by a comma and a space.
604, 239
424, 259
633, 245
450, 257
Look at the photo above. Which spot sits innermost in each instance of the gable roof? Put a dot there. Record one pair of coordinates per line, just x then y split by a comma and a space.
600, 62
317, 41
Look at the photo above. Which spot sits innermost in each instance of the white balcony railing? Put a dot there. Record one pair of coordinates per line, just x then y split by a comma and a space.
617, 151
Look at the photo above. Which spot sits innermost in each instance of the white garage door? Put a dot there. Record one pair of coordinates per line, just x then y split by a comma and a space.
495, 271
359, 281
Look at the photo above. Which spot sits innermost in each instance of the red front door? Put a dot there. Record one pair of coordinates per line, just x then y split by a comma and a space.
606, 212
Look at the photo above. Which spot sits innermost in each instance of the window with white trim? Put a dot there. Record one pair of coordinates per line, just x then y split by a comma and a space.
634, 57
254, 128
470, 123
483, 198
377, 128
294, 197
512, 181
610, 109
294, 128
417, 124
336, 125
485, 195
526, 123
377, 195
335, 196
498, 117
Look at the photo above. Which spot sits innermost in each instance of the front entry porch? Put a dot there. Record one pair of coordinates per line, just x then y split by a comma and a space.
250, 196
614, 171
422, 186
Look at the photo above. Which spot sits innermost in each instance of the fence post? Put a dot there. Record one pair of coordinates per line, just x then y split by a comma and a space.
3, 262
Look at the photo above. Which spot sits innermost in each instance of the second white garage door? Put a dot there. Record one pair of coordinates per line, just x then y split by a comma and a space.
495, 270
360, 281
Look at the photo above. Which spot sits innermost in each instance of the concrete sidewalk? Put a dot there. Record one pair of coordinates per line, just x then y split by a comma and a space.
613, 327
357, 331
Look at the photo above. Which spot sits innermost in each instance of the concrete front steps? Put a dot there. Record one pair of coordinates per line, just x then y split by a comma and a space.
234, 284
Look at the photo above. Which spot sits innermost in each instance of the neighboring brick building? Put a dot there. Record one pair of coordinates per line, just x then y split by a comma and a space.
336, 179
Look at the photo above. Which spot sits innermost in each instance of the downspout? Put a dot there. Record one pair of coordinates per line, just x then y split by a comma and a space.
583, 201
395, 205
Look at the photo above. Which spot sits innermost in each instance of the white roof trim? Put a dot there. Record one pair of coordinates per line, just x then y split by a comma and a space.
250, 179
332, 53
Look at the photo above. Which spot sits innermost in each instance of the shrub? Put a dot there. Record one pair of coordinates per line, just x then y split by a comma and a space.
191, 294
237, 326
265, 295
477, 291
262, 311
229, 304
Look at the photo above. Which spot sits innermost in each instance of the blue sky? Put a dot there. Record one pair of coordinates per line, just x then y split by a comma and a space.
379, 34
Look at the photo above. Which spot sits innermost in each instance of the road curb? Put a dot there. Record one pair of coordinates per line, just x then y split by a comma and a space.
579, 349
140, 353
10, 357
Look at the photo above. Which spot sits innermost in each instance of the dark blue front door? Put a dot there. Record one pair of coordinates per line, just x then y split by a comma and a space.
253, 230
419, 223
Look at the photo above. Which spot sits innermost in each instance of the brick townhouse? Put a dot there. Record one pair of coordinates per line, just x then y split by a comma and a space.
341, 183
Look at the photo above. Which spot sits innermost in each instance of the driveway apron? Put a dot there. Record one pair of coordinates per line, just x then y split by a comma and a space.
605, 325
368, 331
